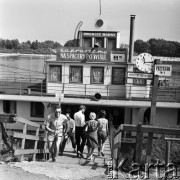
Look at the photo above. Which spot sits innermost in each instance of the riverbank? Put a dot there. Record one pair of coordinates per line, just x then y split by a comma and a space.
19, 54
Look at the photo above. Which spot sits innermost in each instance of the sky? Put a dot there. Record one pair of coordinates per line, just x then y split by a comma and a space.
57, 20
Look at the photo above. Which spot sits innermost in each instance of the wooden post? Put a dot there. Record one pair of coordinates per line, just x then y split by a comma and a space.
45, 145
168, 150
139, 143
23, 140
139, 136
153, 113
36, 142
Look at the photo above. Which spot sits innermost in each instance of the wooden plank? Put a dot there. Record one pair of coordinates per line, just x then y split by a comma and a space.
119, 146
160, 130
8, 118
30, 151
26, 136
22, 120
116, 145
172, 139
149, 128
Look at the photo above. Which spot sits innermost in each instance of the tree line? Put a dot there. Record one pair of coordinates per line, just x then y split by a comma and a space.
156, 47
28, 47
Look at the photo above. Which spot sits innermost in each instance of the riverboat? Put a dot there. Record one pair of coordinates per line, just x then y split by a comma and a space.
100, 74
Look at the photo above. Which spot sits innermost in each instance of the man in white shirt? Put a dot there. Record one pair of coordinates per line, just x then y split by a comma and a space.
79, 119
54, 125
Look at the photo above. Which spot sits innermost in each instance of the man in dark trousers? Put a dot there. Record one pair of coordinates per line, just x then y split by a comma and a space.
69, 133
79, 119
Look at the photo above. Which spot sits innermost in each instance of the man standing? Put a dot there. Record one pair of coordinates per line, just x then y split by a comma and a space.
79, 119
69, 133
54, 126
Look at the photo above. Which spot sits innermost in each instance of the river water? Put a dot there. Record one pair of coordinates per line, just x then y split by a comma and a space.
22, 67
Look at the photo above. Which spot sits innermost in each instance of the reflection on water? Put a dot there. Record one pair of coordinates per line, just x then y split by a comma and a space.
22, 66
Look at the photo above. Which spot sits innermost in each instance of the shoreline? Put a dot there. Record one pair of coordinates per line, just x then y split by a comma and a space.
19, 54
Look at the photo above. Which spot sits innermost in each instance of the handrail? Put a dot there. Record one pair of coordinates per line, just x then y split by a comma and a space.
116, 138
88, 90
168, 147
36, 138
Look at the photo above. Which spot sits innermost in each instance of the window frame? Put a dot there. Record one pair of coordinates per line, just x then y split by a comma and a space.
10, 105
108, 39
124, 78
50, 79
178, 117
70, 74
91, 75
84, 40
97, 41
34, 114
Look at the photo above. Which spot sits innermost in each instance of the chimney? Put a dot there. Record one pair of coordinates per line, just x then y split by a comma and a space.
131, 38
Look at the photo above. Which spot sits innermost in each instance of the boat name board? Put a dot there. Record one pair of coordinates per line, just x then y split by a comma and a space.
80, 54
100, 34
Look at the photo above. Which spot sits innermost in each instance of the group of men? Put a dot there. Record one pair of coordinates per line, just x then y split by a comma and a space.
61, 127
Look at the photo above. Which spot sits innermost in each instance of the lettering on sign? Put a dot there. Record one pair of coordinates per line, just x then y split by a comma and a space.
99, 34
140, 75
79, 54
163, 70
117, 57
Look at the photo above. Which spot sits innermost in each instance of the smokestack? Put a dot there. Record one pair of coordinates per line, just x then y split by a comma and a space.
131, 39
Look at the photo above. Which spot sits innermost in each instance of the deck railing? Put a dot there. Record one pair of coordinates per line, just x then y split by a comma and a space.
36, 138
116, 141
31, 137
130, 92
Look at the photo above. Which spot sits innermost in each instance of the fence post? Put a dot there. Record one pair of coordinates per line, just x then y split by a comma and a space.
149, 147
36, 142
139, 144
45, 145
23, 140
167, 154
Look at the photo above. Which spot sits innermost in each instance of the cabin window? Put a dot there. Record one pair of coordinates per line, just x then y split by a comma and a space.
100, 42
178, 117
147, 114
55, 73
9, 107
163, 83
87, 42
111, 44
97, 75
37, 109
139, 81
118, 75
76, 74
